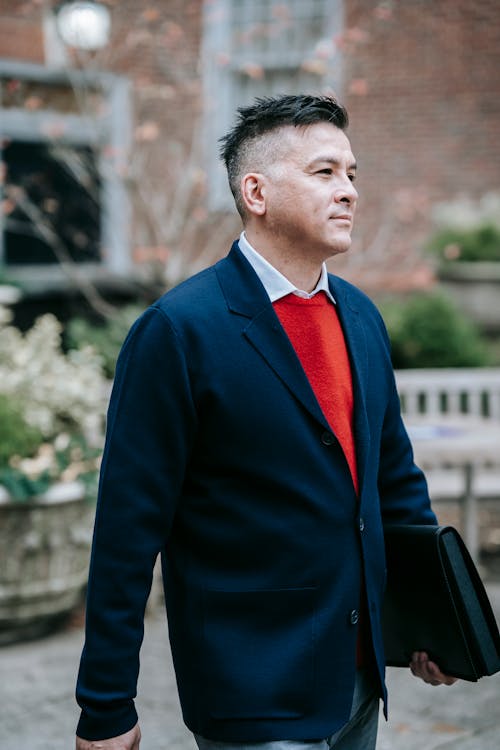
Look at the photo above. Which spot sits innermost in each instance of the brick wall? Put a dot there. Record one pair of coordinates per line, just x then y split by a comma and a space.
423, 92
157, 46
21, 34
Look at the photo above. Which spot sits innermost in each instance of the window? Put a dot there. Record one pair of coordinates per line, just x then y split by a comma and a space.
263, 48
57, 214
64, 140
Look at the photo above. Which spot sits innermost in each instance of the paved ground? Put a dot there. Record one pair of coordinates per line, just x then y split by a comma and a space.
37, 710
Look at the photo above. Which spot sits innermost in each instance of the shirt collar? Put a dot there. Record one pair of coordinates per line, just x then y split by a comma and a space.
275, 284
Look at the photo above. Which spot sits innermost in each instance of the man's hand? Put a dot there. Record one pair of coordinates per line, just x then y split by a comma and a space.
428, 671
128, 741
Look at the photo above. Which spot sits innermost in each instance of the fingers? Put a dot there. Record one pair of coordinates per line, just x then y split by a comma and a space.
428, 671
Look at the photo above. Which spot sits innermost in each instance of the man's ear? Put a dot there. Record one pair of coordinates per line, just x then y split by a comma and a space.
253, 191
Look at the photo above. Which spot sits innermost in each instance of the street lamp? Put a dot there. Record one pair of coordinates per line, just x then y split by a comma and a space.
83, 24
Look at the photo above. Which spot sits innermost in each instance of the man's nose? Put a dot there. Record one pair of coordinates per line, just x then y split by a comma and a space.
346, 193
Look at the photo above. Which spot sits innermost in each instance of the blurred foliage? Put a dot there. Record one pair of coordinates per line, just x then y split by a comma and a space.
106, 338
18, 437
429, 330
26, 475
52, 409
22, 487
480, 243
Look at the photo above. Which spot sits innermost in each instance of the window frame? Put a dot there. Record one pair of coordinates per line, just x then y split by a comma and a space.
220, 82
110, 133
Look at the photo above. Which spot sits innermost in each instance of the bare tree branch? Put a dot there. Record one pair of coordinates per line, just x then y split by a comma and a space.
46, 233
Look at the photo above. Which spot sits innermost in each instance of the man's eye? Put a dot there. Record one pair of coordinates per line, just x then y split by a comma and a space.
327, 170
352, 177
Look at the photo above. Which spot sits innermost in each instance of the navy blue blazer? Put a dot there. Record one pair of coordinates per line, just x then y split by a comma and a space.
219, 457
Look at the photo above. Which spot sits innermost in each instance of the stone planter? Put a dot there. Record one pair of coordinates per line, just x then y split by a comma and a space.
475, 287
44, 556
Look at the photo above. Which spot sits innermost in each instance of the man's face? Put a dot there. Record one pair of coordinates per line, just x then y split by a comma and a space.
309, 193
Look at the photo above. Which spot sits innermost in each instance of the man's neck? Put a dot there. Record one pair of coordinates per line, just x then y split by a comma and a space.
302, 272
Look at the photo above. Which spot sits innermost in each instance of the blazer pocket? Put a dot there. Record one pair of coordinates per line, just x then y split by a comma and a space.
258, 653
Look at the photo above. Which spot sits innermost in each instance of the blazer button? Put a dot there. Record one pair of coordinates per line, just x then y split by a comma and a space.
354, 617
361, 524
328, 438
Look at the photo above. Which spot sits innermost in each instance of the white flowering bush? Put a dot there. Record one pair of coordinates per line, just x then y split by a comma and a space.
53, 408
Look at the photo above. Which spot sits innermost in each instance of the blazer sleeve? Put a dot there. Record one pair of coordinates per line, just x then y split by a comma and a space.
151, 424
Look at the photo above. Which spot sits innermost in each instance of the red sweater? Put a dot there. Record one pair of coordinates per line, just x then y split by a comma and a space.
313, 327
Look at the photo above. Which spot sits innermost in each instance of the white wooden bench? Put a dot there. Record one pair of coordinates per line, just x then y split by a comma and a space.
454, 391
459, 392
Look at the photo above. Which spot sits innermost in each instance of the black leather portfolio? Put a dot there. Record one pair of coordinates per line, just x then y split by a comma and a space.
435, 601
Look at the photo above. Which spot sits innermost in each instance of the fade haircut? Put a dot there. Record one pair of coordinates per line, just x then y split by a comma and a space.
254, 142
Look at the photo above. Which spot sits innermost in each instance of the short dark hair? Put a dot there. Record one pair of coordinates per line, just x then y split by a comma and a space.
268, 114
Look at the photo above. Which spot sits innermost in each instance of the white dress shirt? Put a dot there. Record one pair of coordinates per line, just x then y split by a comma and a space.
275, 284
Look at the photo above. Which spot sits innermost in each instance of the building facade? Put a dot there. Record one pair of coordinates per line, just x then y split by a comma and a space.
110, 157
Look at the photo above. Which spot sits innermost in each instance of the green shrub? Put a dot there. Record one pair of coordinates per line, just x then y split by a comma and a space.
105, 338
429, 330
480, 243
17, 437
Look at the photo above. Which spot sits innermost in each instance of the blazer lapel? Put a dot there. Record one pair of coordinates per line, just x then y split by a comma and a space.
266, 334
246, 296
355, 338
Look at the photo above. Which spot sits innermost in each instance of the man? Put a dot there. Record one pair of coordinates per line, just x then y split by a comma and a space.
255, 440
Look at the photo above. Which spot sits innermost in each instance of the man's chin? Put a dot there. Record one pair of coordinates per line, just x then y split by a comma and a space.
340, 246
